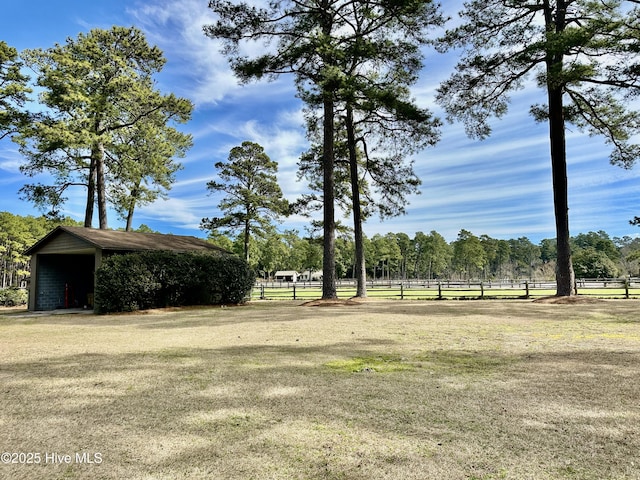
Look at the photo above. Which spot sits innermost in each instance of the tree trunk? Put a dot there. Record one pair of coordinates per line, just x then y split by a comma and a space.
91, 193
132, 206
565, 278
129, 219
247, 235
359, 262
101, 187
329, 289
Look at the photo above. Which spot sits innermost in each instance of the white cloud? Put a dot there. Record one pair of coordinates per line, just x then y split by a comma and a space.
10, 158
176, 27
206, 78
180, 212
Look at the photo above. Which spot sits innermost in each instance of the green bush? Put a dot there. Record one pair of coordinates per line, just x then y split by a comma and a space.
138, 281
12, 296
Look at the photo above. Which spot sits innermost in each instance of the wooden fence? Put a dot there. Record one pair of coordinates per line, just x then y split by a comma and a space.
443, 289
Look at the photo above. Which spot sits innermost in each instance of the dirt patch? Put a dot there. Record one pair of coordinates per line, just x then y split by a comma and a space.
19, 308
564, 300
333, 302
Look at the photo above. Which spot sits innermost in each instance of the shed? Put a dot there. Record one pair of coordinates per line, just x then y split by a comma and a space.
64, 262
311, 276
286, 276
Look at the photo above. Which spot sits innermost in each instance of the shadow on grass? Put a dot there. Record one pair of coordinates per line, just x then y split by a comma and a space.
184, 317
290, 311
279, 411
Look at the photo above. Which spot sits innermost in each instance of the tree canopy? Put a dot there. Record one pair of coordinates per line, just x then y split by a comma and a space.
97, 89
142, 163
14, 91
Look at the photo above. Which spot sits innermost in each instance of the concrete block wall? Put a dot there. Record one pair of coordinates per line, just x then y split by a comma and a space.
51, 283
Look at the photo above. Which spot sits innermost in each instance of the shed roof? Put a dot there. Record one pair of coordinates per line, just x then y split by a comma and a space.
128, 241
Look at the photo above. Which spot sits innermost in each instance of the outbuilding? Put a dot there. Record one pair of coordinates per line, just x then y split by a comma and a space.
286, 276
64, 262
311, 276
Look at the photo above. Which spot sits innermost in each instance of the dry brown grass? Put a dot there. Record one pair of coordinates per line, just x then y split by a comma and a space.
377, 390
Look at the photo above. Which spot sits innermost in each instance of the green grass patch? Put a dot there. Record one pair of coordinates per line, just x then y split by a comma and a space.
446, 362
174, 353
375, 364
452, 293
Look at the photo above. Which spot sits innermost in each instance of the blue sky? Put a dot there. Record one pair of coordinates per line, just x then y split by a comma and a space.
500, 187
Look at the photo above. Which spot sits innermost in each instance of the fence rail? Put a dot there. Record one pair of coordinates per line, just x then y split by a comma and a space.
440, 290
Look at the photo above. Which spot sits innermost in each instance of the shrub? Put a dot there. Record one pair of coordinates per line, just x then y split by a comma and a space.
12, 296
136, 281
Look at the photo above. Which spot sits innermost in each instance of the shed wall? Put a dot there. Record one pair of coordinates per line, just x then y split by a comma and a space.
66, 243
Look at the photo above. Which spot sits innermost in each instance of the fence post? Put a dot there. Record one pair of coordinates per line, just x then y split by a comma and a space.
481, 290
526, 287
626, 288
401, 291
439, 291
294, 291
262, 291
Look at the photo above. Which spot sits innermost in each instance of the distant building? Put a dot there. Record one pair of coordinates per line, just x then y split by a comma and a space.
311, 276
286, 276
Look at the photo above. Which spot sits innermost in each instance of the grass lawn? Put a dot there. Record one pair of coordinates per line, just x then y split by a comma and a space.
274, 390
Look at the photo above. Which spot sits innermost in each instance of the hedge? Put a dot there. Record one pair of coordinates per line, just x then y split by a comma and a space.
138, 281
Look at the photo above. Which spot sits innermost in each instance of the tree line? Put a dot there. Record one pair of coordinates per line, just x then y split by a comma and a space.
397, 256
393, 256
17, 233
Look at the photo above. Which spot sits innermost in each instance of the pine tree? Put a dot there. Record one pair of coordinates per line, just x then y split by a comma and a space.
14, 91
90, 86
585, 57
253, 197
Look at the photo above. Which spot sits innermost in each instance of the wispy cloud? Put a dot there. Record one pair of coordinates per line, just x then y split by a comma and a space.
181, 212
10, 158
201, 71
176, 27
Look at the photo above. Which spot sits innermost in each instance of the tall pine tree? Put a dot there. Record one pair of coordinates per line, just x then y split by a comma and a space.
585, 58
